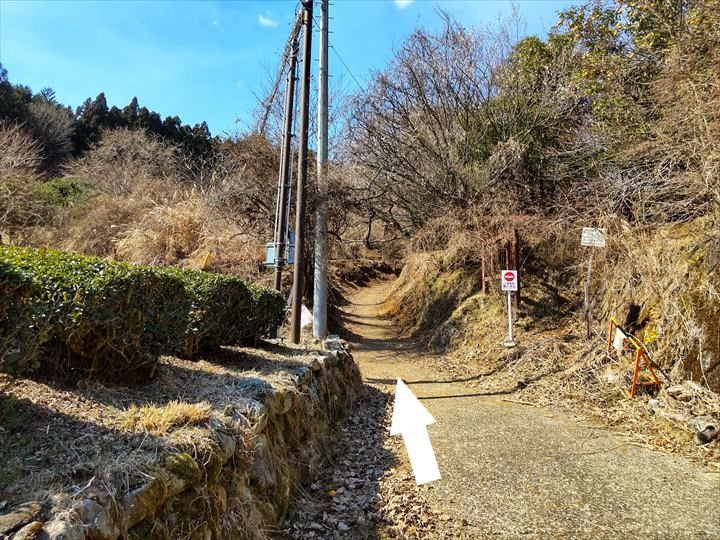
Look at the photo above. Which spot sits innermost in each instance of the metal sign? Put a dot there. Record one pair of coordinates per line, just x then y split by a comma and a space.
592, 237
509, 280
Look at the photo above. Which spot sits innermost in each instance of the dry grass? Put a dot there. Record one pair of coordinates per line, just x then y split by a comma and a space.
669, 274
143, 207
61, 437
669, 271
95, 227
162, 419
166, 234
190, 233
157, 224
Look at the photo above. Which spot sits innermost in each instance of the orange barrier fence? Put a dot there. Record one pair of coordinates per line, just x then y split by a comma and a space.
641, 356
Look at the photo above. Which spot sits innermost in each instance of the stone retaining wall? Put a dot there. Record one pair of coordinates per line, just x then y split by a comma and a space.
262, 451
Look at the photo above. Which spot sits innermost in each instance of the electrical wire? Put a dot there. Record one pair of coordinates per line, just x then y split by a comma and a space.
347, 69
339, 57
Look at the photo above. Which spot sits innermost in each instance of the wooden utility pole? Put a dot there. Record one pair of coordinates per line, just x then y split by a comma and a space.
284, 177
302, 175
320, 283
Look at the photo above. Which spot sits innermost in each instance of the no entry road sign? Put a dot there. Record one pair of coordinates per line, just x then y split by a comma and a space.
509, 280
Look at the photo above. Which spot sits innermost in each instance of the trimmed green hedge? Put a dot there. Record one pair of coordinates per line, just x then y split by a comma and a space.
226, 310
21, 334
219, 304
268, 314
62, 312
107, 318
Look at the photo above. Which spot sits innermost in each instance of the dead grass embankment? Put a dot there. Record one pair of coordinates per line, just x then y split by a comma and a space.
215, 447
660, 282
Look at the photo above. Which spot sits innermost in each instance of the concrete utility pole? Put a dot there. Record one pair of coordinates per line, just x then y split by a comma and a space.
302, 175
285, 159
320, 285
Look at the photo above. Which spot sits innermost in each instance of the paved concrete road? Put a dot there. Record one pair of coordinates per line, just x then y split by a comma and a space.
514, 471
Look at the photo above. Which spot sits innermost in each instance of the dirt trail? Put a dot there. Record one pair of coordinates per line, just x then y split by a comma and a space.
510, 470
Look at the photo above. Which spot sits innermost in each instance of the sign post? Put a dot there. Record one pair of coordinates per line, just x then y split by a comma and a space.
593, 238
509, 283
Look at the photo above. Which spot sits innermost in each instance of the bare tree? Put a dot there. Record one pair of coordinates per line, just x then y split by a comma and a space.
124, 157
19, 160
53, 127
457, 120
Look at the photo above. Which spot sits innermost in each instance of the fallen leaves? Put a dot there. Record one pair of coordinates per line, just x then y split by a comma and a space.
367, 489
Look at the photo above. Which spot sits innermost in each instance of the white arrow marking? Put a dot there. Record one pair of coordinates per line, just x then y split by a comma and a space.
410, 418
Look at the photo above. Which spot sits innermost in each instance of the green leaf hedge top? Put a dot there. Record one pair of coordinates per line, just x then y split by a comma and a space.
71, 314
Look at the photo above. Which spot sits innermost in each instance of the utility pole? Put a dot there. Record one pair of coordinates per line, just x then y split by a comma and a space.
284, 177
302, 175
320, 284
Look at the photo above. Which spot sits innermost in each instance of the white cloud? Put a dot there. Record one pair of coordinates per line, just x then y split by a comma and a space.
267, 22
402, 4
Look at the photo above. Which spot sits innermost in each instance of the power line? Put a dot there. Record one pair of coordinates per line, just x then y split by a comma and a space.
347, 68
268, 102
317, 24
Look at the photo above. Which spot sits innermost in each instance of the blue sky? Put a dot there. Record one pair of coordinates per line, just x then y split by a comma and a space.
204, 60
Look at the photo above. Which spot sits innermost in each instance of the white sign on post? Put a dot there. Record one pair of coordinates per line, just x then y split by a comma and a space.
509, 283
508, 280
592, 237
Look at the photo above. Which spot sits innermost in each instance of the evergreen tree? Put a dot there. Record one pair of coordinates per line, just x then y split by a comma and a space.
48, 95
14, 99
130, 113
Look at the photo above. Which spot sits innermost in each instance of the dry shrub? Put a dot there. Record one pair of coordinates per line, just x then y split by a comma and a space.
161, 419
688, 92
19, 159
674, 175
461, 239
124, 158
145, 212
436, 234
20, 154
95, 227
98, 224
246, 184
233, 252
153, 225
410, 301
167, 234
189, 233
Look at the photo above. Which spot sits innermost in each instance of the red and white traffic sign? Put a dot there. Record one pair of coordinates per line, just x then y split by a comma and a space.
509, 280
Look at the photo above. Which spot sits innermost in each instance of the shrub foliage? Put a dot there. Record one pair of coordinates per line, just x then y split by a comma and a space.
20, 333
110, 319
221, 310
268, 312
65, 313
